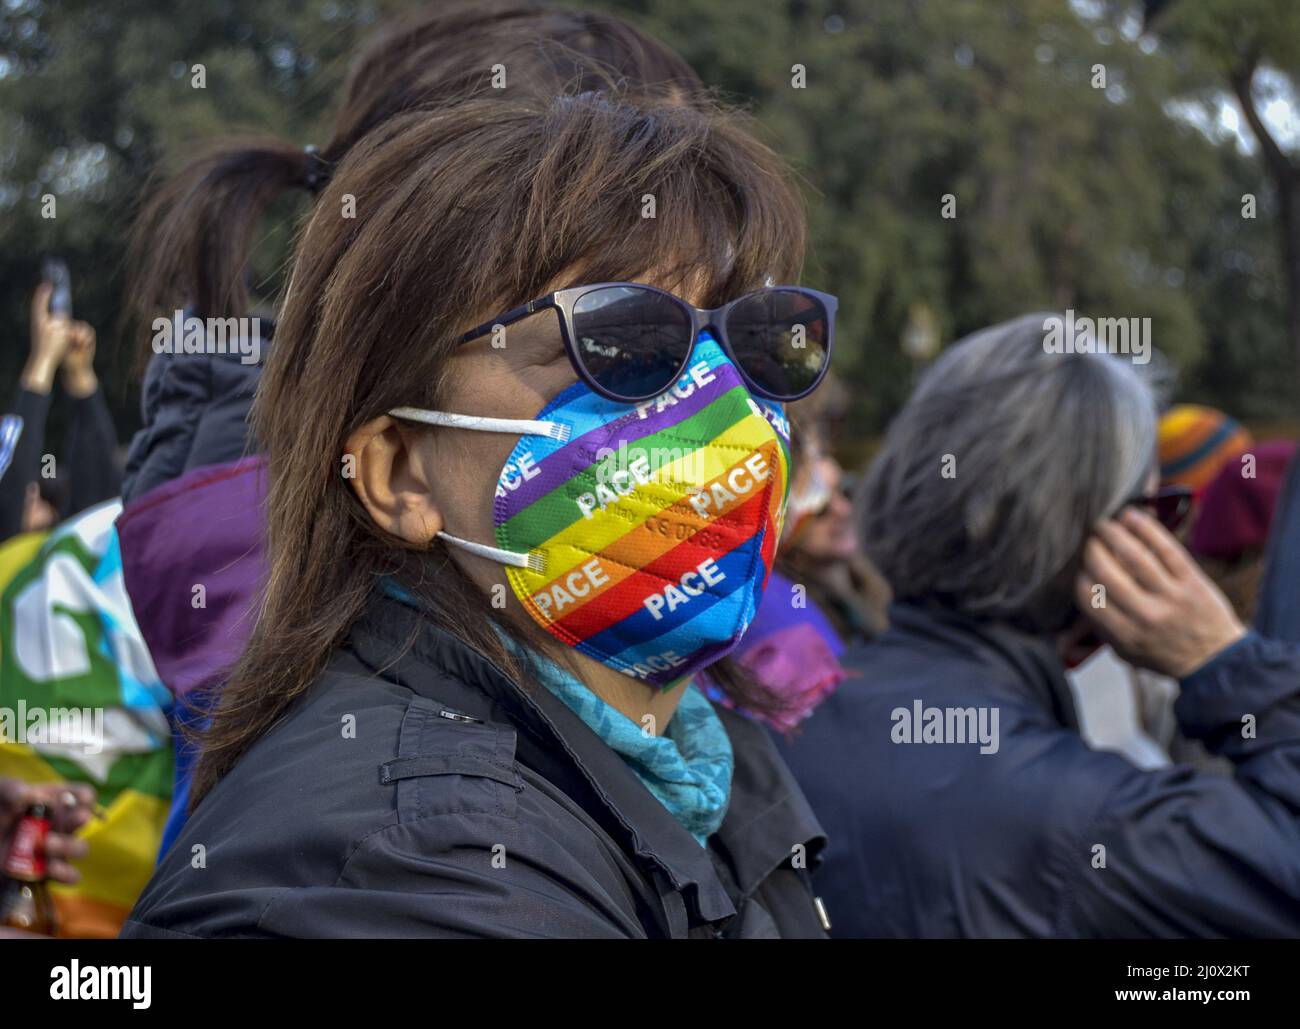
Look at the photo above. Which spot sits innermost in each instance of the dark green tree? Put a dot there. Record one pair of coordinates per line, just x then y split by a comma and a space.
1236, 44
1065, 189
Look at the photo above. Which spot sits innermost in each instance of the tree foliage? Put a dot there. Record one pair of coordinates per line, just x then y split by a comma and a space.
1068, 191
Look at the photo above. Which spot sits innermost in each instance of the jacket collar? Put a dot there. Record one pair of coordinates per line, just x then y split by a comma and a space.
1029, 662
767, 815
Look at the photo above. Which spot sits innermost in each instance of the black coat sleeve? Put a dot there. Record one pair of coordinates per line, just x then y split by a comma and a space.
1194, 853
93, 472
22, 437
454, 875
501, 880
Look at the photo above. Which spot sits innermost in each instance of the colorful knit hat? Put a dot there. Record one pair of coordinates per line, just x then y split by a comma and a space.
1195, 442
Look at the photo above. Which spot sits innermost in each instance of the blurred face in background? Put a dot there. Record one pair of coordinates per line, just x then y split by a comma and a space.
820, 519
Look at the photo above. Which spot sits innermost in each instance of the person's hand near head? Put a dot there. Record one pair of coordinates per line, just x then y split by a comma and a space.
1160, 611
51, 336
69, 807
79, 361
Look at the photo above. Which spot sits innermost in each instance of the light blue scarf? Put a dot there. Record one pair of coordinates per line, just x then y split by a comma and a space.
688, 768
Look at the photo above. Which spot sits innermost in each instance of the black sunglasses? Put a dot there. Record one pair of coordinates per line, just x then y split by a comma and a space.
1169, 506
630, 342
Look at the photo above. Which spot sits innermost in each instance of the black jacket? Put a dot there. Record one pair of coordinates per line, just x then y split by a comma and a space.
462, 805
939, 839
195, 410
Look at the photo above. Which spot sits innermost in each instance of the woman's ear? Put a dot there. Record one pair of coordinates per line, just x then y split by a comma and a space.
379, 463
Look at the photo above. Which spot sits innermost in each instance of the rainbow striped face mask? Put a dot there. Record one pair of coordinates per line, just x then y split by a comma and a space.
642, 534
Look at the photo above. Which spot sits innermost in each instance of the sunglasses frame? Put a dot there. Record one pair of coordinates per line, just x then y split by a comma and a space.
564, 301
1149, 502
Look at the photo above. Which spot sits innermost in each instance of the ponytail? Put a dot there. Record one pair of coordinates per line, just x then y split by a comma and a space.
193, 236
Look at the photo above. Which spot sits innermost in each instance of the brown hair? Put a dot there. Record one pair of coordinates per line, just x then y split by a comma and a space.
462, 212
193, 235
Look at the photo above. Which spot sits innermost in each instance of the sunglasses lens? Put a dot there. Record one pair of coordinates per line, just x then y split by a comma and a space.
781, 339
631, 340
1171, 509
1168, 507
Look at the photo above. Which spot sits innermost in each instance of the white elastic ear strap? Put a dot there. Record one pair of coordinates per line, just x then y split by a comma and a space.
533, 562
515, 426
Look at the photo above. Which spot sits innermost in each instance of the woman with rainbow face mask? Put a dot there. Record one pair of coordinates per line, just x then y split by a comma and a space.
528, 469
195, 477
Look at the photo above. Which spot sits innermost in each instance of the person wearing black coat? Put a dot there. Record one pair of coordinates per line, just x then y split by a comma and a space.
1006, 509
1044, 836
194, 411
408, 745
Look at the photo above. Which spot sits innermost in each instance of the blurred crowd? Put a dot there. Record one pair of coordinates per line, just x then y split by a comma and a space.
1032, 670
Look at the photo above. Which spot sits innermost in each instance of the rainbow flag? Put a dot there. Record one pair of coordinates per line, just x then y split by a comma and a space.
80, 702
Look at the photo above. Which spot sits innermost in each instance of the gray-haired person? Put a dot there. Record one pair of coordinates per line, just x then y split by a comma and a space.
1006, 510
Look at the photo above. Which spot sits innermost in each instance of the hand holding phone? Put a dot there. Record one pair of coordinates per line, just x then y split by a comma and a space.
51, 335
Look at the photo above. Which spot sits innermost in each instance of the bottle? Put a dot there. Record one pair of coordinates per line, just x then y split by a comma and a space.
25, 901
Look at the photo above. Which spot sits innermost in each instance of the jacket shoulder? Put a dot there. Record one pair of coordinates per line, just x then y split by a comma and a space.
353, 757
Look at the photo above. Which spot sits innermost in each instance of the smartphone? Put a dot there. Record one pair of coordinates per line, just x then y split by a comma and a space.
55, 271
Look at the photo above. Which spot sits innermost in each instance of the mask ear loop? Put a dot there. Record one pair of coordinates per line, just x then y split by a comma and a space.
557, 431
533, 562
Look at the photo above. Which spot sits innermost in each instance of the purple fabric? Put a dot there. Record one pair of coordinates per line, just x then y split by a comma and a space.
792, 649
204, 528
796, 662
783, 608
